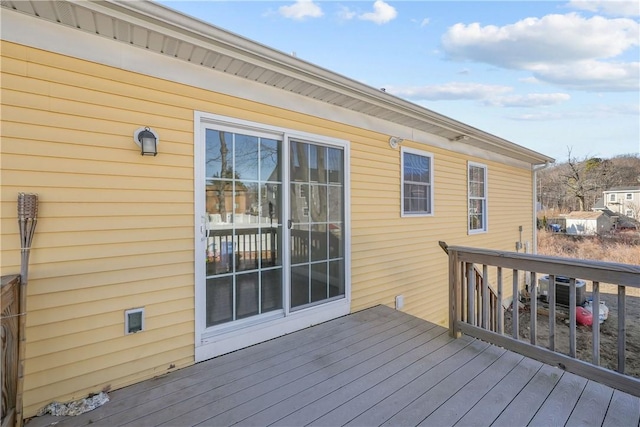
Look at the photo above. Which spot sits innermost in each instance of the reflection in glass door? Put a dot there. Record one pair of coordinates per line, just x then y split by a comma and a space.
243, 237
316, 224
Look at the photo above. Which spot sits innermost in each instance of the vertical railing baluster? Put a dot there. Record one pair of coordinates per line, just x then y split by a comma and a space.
533, 304
622, 330
551, 298
515, 315
499, 310
455, 286
595, 326
462, 274
485, 296
572, 317
471, 292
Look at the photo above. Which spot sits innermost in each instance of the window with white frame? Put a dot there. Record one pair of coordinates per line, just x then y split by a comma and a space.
629, 213
417, 182
477, 186
612, 197
629, 196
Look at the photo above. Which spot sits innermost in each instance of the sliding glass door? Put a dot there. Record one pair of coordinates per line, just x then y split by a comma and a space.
271, 232
316, 221
244, 228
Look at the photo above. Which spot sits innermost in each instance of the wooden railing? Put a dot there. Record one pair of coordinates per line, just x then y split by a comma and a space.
495, 321
9, 330
472, 315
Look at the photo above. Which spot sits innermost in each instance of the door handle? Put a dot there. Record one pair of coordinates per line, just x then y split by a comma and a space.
289, 224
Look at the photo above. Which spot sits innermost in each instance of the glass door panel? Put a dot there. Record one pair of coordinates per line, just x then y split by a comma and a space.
244, 227
316, 220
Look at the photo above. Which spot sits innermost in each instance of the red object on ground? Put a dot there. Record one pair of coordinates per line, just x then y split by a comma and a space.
584, 316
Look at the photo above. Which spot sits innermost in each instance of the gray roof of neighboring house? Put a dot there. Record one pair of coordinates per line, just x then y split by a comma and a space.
599, 204
628, 188
584, 215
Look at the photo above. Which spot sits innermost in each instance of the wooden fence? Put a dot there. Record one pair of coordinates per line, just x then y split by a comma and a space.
9, 330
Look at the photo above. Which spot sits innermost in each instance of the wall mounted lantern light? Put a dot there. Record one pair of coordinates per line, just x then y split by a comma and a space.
147, 140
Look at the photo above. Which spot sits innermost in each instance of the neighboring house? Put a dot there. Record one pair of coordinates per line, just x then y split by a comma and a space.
622, 200
282, 194
589, 223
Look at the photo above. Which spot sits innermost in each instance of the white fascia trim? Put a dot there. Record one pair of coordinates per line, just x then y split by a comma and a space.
41, 34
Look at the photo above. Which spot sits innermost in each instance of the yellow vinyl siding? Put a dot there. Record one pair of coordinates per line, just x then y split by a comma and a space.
393, 256
116, 230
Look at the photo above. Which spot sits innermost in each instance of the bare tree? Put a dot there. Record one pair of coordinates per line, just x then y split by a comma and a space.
585, 179
578, 184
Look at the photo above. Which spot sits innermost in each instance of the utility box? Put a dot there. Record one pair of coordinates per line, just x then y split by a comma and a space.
562, 290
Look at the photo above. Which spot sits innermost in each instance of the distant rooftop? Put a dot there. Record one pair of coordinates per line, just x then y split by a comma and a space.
628, 188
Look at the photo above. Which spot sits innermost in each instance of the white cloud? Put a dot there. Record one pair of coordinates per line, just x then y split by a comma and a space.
533, 41
382, 13
490, 95
301, 10
554, 48
600, 112
344, 13
608, 7
593, 76
449, 91
528, 101
529, 80
542, 116
425, 22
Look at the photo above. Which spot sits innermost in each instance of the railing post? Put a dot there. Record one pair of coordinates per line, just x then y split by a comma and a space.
485, 297
533, 304
622, 329
551, 298
595, 326
454, 294
515, 306
500, 320
471, 293
572, 317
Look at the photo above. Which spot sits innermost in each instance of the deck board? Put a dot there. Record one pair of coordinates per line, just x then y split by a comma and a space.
491, 405
375, 367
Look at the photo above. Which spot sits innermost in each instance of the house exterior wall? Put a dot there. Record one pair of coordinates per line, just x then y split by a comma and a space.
582, 227
589, 227
116, 230
622, 204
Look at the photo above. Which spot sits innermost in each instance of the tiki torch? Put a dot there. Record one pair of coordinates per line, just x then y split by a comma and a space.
27, 219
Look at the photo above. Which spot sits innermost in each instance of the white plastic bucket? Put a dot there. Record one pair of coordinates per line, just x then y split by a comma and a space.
604, 310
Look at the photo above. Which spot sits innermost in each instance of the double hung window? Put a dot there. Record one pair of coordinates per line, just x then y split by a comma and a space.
417, 183
477, 186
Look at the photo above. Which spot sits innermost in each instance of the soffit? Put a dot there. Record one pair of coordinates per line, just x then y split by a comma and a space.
162, 30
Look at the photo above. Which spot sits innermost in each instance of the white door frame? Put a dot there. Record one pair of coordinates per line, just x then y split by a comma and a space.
211, 342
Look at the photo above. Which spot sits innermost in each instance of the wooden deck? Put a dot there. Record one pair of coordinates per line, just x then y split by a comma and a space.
375, 367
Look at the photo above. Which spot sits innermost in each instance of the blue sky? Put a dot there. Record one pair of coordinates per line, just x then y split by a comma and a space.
550, 76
